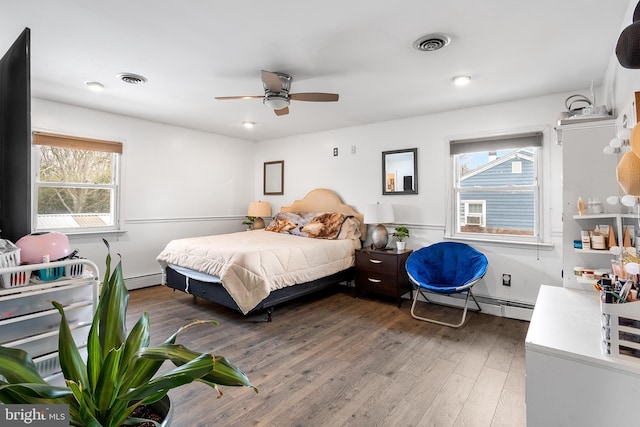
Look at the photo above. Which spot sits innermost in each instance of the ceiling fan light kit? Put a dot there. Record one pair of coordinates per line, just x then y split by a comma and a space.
276, 93
276, 102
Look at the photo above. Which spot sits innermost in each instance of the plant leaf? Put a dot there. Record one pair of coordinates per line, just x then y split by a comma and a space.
17, 367
228, 374
109, 381
94, 353
29, 392
223, 372
138, 338
113, 312
71, 362
181, 375
196, 322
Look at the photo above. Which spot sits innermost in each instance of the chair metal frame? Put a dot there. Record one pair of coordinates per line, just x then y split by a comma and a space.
420, 291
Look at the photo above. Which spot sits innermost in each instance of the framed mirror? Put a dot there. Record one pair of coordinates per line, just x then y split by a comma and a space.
273, 178
400, 171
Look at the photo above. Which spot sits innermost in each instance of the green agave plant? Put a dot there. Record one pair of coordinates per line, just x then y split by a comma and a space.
120, 371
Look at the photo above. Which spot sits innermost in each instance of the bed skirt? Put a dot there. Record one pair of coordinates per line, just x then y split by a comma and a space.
215, 292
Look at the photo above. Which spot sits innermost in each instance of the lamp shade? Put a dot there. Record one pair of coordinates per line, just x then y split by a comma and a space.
378, 214
259, 209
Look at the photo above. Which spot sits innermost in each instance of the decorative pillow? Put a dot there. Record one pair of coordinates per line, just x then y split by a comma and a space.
350, 229
317, 225
281, 225
324, 226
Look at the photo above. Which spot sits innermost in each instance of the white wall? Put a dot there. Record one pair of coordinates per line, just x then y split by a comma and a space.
176, 183
309, 163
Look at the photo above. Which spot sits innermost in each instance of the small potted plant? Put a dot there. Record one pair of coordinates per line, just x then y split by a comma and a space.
120, 374
249, 222
401, 232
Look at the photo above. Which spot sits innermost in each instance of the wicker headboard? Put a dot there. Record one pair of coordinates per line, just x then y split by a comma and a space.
323, 200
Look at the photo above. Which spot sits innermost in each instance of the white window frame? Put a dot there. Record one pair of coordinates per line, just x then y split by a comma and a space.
115, 187
521, 139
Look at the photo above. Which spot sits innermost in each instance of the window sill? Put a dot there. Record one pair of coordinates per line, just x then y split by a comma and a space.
87, 232
509, 243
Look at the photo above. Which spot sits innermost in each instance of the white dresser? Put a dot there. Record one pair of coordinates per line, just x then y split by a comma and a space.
569, 381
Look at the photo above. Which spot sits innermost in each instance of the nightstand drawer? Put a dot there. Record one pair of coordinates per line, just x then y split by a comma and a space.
381, 283
377, 262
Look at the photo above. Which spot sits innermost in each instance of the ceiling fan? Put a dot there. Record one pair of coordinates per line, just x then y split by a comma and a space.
276, 93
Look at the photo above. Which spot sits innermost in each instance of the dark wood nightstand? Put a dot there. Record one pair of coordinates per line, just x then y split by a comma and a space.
382, 272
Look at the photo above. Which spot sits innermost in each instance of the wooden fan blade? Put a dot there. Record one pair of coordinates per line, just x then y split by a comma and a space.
239, 97
272, 81
282, 111
314, 96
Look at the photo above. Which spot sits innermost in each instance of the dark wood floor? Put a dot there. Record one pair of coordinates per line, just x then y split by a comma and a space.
333, 360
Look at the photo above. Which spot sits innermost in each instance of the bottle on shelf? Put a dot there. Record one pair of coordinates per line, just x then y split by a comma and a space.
581, 206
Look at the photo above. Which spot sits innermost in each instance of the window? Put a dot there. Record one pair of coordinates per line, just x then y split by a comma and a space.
77, 183
474, 212
496, 188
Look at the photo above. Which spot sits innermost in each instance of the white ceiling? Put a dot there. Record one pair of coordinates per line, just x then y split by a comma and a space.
193, 50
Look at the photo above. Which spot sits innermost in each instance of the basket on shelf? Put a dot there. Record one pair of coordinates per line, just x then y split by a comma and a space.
9, 254
12, 280
621, 329
10, 257
54, 273
74, 270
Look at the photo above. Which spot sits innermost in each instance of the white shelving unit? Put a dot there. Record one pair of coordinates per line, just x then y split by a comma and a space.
598, 258
588, 173
29, 321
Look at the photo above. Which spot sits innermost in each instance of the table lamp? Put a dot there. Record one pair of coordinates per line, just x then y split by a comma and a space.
379, 214
258, 210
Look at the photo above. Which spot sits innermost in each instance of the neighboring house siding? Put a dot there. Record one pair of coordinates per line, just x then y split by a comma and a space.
513, 210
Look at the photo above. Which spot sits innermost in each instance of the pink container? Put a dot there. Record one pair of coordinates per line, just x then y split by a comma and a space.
36, 246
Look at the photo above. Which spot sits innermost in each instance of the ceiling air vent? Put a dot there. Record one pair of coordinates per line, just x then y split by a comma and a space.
432, 42
134, 79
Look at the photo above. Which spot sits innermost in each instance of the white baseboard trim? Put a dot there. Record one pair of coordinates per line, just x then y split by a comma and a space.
488, 305
143, 281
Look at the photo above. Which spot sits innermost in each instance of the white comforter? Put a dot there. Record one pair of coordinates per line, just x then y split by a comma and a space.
251, 264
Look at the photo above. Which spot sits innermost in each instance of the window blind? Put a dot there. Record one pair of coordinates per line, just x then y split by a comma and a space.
78, 143
531, 139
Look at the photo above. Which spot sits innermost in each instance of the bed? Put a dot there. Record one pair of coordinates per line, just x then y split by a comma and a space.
309, 246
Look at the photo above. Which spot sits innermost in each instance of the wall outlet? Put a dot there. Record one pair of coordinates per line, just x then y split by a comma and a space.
353, 149
506, 280
335, 151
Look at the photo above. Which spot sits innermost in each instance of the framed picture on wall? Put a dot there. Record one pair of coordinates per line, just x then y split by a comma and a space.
273, 178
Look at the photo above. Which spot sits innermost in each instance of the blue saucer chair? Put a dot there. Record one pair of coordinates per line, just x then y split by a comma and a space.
445, 268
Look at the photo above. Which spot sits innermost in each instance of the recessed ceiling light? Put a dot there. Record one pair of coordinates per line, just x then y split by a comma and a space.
95, 86
461, 80
248, 125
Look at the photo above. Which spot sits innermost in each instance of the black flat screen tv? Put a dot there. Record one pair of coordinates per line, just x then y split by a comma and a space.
15, 140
